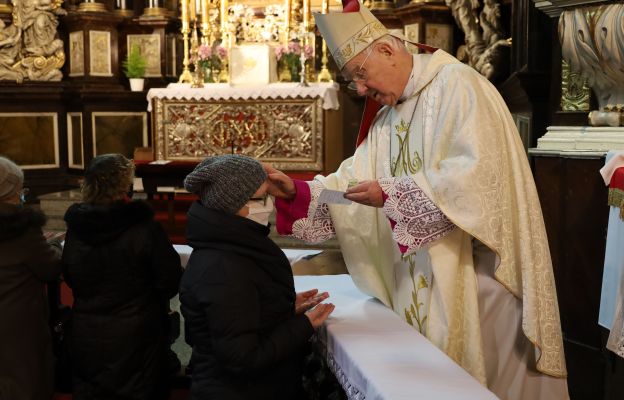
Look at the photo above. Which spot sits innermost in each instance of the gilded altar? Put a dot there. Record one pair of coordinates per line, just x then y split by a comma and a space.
295, 128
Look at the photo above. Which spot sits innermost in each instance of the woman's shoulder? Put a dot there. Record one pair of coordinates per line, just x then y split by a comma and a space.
16, 222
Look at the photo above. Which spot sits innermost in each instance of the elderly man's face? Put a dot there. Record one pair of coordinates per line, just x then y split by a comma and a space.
374, 74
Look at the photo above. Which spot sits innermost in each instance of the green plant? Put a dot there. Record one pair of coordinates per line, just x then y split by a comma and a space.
134, 64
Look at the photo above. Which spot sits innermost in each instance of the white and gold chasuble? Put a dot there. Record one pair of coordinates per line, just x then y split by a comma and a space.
451, 163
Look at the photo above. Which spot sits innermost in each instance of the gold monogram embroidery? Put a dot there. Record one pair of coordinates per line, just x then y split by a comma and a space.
405, 163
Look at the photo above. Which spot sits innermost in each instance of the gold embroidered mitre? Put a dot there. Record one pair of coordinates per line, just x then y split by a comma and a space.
348, 33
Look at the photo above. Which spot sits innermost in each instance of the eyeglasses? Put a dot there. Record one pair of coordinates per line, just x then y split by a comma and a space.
263, 199
23, 193
359, 75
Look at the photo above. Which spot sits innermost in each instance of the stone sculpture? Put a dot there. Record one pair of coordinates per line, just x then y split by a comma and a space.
485, 47
30, 48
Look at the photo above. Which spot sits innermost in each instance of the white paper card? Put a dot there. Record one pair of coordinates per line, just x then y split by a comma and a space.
333, 197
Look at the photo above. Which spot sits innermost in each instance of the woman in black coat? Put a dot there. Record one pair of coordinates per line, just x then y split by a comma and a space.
123, 271
27, 262
237, 292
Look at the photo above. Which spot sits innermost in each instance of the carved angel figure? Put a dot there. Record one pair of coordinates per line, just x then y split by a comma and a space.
485, 46
10, 46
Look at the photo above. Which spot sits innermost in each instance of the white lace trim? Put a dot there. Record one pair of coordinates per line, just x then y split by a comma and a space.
353, 393
318, 226
418, 220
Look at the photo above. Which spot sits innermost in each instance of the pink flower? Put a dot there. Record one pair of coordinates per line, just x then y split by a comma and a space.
294, 47
222, 52
308, 51
279, 51
204, 52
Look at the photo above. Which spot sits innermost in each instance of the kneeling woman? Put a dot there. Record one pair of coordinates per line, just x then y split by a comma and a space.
123, 271
238, 299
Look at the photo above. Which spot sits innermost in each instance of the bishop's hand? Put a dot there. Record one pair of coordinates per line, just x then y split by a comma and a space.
368, 193
280, 184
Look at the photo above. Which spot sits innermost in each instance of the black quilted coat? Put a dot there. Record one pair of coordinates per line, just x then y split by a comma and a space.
123, 271
237, 298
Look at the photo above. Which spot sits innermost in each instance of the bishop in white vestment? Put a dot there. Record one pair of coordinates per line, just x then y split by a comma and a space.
458, 247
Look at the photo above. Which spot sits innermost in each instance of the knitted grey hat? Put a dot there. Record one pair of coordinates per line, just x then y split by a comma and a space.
226, 182
11, 178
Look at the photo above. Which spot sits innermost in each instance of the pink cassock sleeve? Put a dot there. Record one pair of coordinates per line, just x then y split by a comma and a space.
288, 211
303, 217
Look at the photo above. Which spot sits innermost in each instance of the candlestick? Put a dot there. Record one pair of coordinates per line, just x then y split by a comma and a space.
186, 76
324, 75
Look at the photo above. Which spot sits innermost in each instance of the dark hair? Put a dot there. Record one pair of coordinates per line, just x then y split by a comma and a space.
107, 178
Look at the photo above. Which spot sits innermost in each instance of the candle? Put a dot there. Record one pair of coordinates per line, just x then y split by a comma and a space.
306, 14
198, 6
325, 7
193, 14
224, 15
287, 21
185, 21
204, 13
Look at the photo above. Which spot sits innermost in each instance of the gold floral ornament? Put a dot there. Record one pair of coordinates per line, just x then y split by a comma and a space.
415, 313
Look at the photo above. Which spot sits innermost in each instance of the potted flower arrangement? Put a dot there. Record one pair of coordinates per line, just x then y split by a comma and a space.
134, 68
212, 61
289, 60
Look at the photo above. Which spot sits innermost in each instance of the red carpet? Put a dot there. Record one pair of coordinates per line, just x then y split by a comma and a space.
172, 215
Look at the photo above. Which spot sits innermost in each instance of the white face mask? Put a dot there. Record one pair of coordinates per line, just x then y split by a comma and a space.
260, 210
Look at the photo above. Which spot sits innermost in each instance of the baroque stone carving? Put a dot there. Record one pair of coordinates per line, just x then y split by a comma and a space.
592, 42
29, 47
485, 47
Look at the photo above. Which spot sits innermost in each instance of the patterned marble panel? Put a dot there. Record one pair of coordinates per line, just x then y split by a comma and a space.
75, 149
440, 36
76, 54
100, 53
149, 46
118, 132
412, 34
30, 139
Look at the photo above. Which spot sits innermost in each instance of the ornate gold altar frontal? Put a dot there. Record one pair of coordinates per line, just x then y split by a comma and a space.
287, 133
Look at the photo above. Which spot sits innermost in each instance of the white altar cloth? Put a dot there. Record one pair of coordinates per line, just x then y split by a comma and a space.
223, 91
377, 356
293, 255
